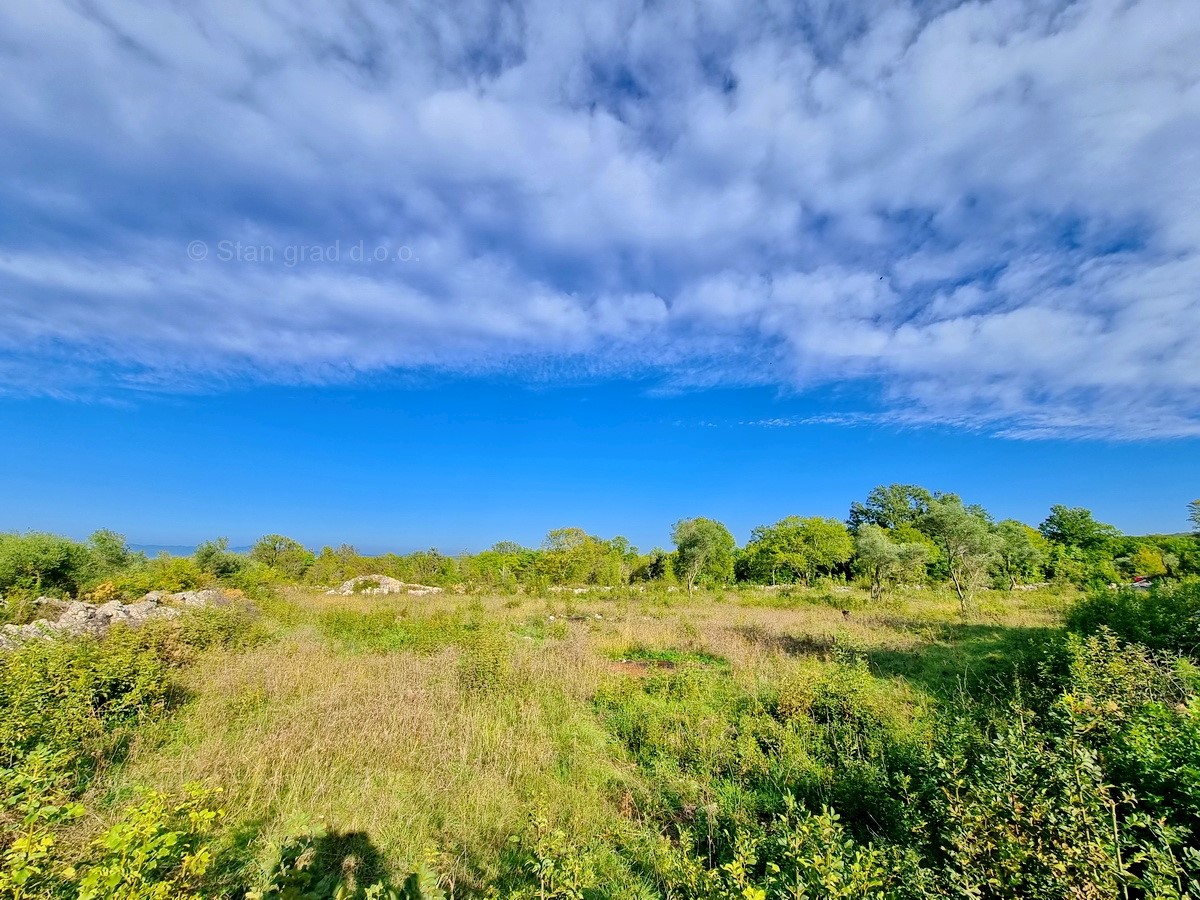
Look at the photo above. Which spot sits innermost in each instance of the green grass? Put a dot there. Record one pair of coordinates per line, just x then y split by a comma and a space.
610, 745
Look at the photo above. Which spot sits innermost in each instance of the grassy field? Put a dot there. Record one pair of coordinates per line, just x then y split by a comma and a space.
436, 728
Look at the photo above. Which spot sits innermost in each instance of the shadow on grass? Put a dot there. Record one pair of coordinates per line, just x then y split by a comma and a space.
321, 866
971, 659
792, 645
956, 659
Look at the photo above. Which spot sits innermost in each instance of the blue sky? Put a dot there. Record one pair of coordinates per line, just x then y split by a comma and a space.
461, 463
433, 275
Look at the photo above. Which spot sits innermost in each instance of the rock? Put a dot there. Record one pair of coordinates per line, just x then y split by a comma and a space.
197, 598
75, 618
381, 584
142, 610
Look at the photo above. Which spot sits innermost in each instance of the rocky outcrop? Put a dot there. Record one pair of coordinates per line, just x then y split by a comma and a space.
381, 584
74, 617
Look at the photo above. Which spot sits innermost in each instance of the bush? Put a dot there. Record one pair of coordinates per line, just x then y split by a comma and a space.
77, 695
215, 558
158, 850
35, 799
484, 661
164, 572
37, 563
1164, 617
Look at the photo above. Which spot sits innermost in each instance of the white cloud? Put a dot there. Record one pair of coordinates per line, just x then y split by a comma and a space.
991, 210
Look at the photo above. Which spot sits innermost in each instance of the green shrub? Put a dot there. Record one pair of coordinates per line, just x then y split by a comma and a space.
37, 563
484, 661
227, 627
798, 854
1163, 617
163, 573
77, 694
35, 800
214, 558
1027, 815
159, 850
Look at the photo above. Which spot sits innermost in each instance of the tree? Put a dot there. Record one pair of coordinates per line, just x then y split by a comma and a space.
1147, 562
885, 562
966, 541
216, 559
657, 565
1076, 527
827, 545
1021, 551
38, 563
109, 551
284, 555
891, 506
775, 551
1194, 515
797, 548
704, 551
572, 556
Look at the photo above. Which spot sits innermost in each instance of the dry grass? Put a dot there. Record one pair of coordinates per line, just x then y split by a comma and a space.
400, 746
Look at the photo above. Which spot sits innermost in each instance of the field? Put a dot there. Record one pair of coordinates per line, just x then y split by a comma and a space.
610, 743
447, 722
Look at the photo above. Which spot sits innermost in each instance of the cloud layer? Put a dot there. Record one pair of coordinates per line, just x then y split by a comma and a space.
989, 212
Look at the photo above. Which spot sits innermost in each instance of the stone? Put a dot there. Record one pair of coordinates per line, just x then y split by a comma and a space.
197, 598
381, 584
75, 617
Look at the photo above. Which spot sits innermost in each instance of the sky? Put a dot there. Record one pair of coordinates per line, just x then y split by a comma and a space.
443, 274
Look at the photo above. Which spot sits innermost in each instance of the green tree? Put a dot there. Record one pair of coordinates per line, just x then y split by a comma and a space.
1194, 515
1076, 527
774, 552
704, 551
886, 562
572, 556
966, 542
109, 552
216, 559
797, 547
38, 563
657, 565
828, 544
891, 506
1020, 552
284, 555
1147, 561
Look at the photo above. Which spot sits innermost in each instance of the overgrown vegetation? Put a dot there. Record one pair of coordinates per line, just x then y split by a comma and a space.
873, 712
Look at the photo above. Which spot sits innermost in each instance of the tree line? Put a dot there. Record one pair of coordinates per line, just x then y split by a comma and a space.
899, 534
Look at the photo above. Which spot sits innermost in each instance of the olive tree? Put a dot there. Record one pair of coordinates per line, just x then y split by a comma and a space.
283, 554
966, 541
891, 506
704, 551
1020, 551
886, 562
1075, 526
